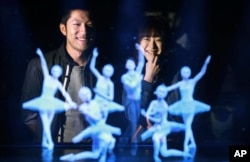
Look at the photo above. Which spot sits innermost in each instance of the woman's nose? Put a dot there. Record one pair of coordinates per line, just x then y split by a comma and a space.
152, 43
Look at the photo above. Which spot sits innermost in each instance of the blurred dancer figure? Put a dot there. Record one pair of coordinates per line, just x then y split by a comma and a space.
157, 112
47, 104
131, 82
98, 130
187, 107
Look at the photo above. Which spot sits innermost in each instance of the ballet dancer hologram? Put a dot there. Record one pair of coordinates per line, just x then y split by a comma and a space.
131, 81
47, 104
157, 112
98, 130
187, 107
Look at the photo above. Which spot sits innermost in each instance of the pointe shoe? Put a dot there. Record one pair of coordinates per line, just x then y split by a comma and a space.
157, 159
68, 157
133, 150
188, 155
51, 146
76, 139
45, 145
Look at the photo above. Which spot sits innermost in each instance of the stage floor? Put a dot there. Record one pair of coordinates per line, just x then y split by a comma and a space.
34, 153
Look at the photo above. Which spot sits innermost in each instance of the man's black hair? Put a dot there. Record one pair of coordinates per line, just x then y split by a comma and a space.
68, 6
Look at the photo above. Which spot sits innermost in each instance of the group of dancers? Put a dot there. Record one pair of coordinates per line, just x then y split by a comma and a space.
187, 107
96, 109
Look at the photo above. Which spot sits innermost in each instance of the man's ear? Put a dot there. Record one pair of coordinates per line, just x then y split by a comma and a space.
62, 29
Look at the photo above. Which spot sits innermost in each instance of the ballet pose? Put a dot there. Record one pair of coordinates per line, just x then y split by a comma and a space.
131, 82
98, 130
187, 106
158, 112
104, 88
47, 104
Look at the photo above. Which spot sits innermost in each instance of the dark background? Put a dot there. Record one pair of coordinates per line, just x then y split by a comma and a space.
221, 29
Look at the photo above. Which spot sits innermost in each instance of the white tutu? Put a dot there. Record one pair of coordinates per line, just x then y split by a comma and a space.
188, 107
44, 103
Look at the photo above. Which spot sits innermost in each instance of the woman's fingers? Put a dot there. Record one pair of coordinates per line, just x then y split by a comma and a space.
155, 59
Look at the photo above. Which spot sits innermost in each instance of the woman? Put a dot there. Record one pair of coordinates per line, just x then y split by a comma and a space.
152, 38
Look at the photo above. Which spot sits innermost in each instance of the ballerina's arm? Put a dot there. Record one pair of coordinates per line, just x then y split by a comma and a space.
93, 63
203, 69
43, 62
66, 95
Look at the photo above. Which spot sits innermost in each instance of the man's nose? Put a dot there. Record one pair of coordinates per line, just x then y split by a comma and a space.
83, 29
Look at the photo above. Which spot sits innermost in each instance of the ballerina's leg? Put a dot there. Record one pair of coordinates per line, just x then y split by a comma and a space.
89, 131
148, 133
156, 144
111, 129
111, 145
82, 155
188, 119
113, 107
100, 152
46, 141
50, 119
165, 152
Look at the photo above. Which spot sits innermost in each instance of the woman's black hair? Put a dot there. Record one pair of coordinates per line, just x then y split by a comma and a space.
154, 26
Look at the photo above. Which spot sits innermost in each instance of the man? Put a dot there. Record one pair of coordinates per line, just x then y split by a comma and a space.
73, 56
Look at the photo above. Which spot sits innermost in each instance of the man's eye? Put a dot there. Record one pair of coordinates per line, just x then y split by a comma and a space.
89, 24
76, 24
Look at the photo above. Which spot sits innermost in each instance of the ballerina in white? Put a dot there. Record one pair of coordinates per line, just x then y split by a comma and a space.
158, 112
104, 89
98, 130
131, 81
187, 106
47, 104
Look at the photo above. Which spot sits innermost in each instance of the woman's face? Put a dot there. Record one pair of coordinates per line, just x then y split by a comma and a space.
152, 46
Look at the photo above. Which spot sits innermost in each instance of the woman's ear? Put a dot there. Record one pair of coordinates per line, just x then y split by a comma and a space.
62, 29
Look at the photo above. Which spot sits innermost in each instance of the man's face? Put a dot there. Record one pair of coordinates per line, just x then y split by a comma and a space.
78, 31
152, 46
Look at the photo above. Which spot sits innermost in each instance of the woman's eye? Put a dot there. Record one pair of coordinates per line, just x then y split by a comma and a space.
146, 38
158, 39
